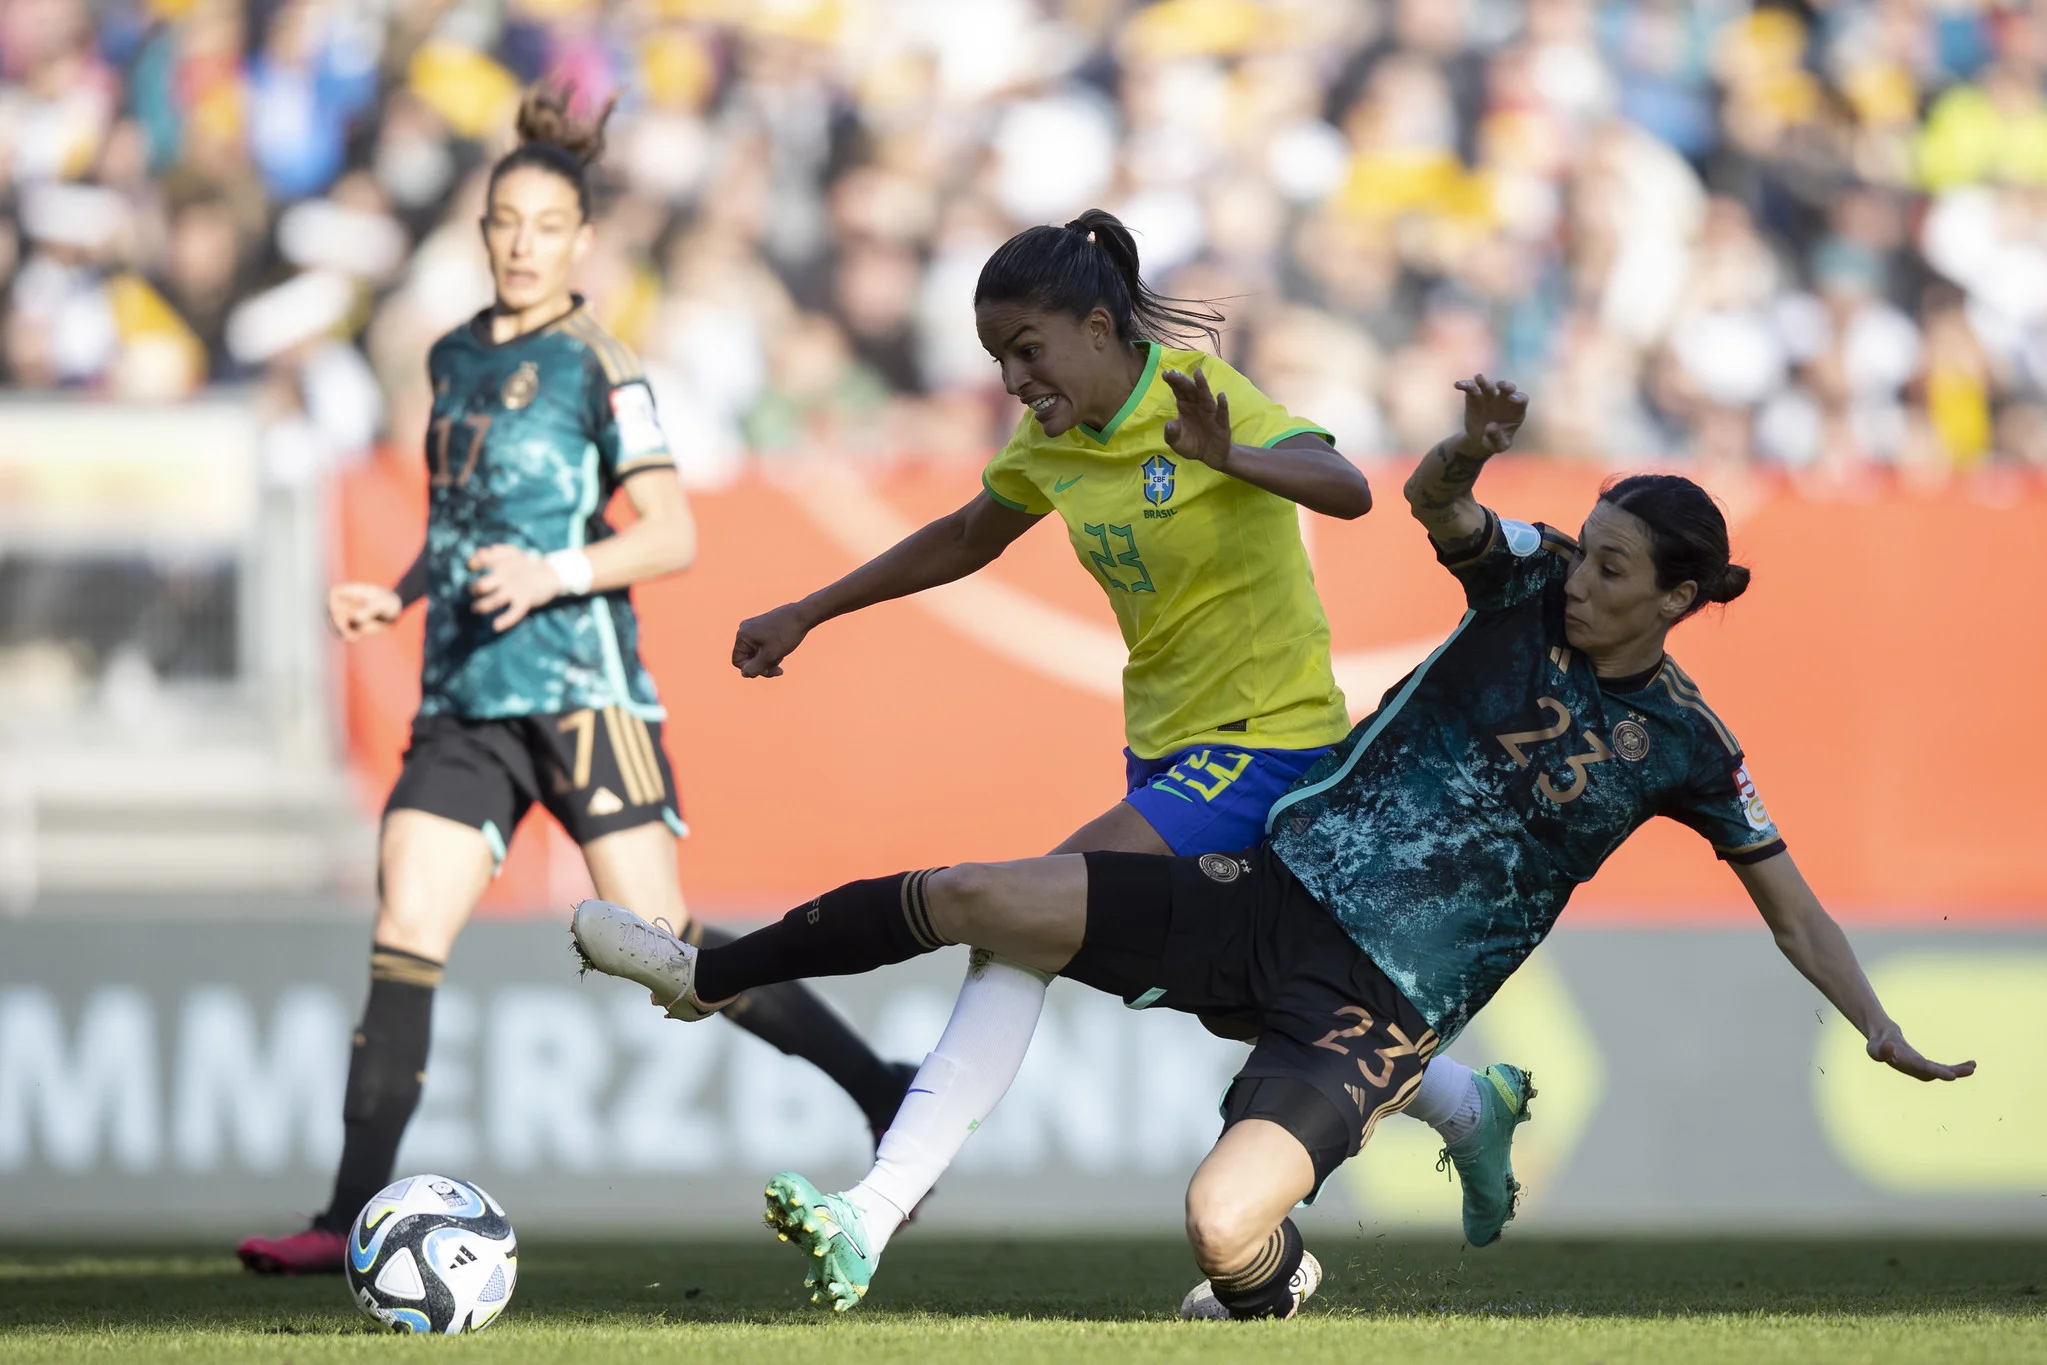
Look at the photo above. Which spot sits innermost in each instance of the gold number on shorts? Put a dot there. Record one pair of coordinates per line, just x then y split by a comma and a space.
584, 723
1357, 1030
1401, 1046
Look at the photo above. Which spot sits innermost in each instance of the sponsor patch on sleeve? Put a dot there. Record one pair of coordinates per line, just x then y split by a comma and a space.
1751, 802
1523, 539
639, 430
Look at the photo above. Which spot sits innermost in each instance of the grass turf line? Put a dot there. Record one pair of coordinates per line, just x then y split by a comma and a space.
1095, 1299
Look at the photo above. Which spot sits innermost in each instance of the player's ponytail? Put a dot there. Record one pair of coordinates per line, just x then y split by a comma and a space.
552, 138
1092, 263
1687, 534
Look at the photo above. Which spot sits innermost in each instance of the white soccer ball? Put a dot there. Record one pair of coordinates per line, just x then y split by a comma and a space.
431, 1254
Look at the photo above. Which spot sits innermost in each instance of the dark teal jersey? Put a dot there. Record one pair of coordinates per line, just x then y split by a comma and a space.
1448, 829
529, 440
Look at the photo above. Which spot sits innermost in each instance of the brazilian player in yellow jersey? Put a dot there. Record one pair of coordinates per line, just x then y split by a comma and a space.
1229, 646
1179, 484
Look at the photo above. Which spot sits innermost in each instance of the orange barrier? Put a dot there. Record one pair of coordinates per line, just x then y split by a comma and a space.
1880, 672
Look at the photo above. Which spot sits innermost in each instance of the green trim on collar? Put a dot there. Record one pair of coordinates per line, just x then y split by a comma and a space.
1144, 381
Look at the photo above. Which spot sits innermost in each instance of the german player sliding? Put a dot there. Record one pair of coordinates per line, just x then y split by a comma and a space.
1180, 485
1402, 880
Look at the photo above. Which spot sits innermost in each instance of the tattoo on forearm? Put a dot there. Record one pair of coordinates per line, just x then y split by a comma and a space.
1458, 471
1461, 470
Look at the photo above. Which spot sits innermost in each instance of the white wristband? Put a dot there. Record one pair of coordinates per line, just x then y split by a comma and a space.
572, 567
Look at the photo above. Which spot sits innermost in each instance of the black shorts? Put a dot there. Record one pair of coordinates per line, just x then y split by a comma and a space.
597, 772
1235, 935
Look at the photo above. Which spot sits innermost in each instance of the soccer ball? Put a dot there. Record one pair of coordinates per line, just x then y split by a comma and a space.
430, 1254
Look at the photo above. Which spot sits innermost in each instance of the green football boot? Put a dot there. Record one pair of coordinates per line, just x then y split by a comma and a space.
829, 1229
1485, 1155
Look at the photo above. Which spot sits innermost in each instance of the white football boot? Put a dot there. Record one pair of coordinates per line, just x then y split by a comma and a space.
613, 940
1201, 1302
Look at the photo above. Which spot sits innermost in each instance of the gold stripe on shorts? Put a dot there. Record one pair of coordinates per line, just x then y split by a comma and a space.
1393, 1104
618, 729
659, 787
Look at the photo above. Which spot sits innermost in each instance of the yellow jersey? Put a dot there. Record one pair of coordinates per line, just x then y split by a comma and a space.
1208, 576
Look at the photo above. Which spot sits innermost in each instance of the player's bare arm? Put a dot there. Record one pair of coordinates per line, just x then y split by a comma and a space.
1439, 490
950, 548
1812, 942
1305, 468
359, 610
512, 582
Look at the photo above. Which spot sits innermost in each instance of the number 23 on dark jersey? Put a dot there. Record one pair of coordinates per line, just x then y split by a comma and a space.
1449, 828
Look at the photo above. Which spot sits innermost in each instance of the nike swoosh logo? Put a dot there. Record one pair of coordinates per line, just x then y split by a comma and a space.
1061, 485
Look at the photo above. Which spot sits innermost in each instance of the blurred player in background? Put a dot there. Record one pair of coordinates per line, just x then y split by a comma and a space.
1179, 484
1402, 881
532, 688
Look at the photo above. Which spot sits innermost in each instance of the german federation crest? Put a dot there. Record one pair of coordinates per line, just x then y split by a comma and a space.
522, 386
1631, 741
1158, 480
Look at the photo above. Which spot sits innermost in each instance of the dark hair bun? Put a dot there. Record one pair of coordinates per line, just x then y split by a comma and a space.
553, 139
544, 118
1733, 582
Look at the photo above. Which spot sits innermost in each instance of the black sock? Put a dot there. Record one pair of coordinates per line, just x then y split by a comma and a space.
854, 929
1264, 1287
789, 1017
385, 1073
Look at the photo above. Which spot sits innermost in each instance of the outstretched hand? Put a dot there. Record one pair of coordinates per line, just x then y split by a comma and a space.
1492, 414
1888, 1045
1202, 430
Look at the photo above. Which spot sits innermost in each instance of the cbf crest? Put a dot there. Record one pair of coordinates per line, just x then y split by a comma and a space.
1158, 480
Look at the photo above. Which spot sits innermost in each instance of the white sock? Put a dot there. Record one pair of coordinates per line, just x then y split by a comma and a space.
958, 1086
1447, 1099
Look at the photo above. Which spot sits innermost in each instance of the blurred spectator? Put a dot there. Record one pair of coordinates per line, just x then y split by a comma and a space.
820, 397
203, 269
1809, 236
316, 68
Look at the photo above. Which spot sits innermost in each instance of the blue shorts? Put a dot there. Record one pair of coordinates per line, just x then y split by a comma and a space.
1209, 799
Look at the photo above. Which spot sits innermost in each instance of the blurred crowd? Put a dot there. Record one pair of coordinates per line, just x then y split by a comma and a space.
1812, 236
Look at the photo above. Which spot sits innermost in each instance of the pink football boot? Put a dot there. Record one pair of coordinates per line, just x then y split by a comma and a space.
316, 1251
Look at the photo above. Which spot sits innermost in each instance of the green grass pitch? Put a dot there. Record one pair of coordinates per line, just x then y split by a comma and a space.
1071, 1301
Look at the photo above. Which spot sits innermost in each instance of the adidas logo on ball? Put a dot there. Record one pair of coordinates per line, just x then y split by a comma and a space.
431, 1254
